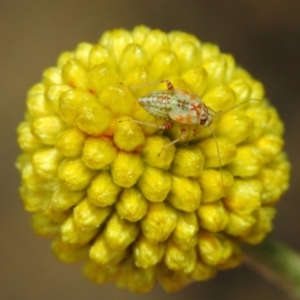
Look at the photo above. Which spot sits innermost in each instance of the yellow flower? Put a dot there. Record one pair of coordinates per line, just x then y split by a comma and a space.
109, 190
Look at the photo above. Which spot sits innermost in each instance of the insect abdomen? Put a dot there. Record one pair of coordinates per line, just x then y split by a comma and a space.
159, 103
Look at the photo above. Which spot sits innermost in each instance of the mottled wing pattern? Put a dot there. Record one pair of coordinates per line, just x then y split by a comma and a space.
183, 116
158, 103
187, 109
174, 105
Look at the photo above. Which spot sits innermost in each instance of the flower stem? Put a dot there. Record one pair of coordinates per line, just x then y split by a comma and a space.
277, 263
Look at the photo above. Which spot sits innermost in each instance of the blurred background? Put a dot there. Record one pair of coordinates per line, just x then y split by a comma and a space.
264, 37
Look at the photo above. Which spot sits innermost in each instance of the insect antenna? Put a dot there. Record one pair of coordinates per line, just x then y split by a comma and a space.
214, 135
136, 87
183, 134
218, 152
235, 106
144, 123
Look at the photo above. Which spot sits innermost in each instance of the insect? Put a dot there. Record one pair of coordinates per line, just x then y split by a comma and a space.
179, 106
175, 105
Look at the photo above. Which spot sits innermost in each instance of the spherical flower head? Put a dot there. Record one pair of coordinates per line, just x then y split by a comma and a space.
113, 191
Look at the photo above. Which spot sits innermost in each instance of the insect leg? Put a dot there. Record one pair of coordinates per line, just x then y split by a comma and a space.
218, 152
169, 84
235, 106
165, 126
145, 123
196, 134
183, 134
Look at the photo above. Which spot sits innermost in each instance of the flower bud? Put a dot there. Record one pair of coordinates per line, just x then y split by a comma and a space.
45, 162
87, 216
98, 153
126, 169
74, 74
244, 196
52, 95
214, 184
185, 194
38, 106
263, 225
102, 190
147, 253
213, 248
137, 280
186, 50
71, 101
213, 216
155, 184
247, 162
203, 271
35, 201
234, 126
209, 50
100, 75
115, 42
82, 53
45, 226
72, 235
197, 78
100, 274
220, 97
52, 76
102, 254
178, 259
216, 69
93, 119
160, 222
209, 147
188, 162
74, 175
269, 145
63, 199
156, 153
28, 142
185, 232
67, 253
164, 64
154, 41
128, 135
98, 55
240, 224
70, 142
132, 57
119, 233
118, 99
132, 205
47, 129
241, 89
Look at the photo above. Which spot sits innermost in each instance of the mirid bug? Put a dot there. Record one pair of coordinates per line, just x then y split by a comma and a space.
174, 105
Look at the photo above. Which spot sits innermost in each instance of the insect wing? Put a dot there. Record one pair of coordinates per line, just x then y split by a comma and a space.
157, 103
186, 108
183, 116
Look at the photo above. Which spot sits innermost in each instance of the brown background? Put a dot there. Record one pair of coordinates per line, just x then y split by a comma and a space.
263, 35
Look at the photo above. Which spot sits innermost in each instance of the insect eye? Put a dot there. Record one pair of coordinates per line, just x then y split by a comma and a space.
204, 122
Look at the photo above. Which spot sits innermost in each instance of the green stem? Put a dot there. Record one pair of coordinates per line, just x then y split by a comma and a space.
277, 263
